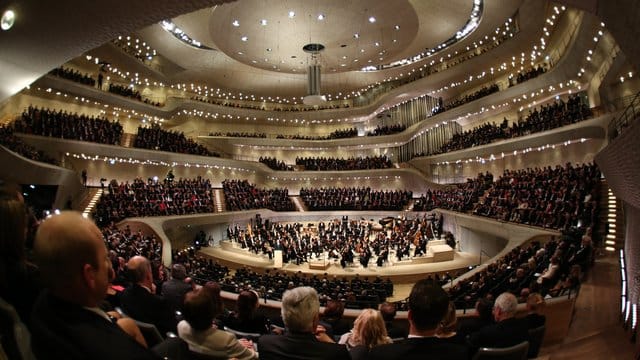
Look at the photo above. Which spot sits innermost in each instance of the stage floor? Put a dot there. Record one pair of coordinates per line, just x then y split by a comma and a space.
403, 276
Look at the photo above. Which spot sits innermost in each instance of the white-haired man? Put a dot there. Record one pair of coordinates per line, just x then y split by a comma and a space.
507, 330
300, 312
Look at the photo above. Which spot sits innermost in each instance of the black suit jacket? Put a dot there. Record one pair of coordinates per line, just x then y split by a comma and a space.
299, 347
174, 290
144, 306
502, 334
430, 348
63, 330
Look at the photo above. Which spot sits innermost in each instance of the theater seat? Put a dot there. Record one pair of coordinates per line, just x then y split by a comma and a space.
535, 340
150, 332
243, 335
516, 352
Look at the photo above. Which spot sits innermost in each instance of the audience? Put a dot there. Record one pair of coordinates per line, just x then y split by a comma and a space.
333, 317
156, 138
154, 198
274, 164
337, 134
388, 313
387, 130
15, 144
73, 75
128, 91
303, 338
535, 304
247, 318
19, 285
201, 306
320, 199
428, 305
240, 195
507, 331
176, 288
329, 164
547, 117
527, 75
448, 327
64, 125
140, 301
368, 332
67, 322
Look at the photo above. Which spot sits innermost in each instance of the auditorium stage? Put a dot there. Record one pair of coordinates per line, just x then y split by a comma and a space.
405, 273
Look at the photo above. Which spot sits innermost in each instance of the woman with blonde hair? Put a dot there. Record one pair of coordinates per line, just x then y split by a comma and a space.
368, 331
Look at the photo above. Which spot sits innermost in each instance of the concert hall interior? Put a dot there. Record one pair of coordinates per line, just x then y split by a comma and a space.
353, 146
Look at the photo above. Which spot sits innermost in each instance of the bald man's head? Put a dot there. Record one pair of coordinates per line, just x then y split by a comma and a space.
140, 270
71, 254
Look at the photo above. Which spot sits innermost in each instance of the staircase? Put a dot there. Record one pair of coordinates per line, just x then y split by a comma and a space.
127, 139
613, 219
219, 201
297, 201
90, 200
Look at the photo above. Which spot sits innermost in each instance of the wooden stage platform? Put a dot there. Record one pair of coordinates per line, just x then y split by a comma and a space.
406, 271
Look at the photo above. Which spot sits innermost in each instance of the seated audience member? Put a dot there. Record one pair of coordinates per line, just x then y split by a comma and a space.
388, 312
368, 331
176, 288
140, 301
447, 329
535, 304
67, 322
300, 312
332, 316
484, 312
427, 306
507, 331
18, 285
246, 318
201, 306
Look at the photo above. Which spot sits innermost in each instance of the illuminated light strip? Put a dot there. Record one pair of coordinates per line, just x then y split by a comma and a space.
179, 34
117, 160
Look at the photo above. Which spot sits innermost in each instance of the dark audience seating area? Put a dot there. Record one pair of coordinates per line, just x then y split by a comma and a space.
154, 198
546, 117
338, 134
15, 144
523, 76
64, 125
387, 130
484, 91
359, 163
319, 199
274, 164
557, 198
239, 134
357, 293
73, 75
129, 92
241, 195
156, 138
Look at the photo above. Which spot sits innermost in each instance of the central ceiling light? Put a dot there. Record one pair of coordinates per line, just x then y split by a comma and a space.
313, 98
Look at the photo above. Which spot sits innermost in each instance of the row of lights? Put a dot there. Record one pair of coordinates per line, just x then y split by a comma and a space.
116, 111
596, 38
119, 160
469, 27
339, 178
181, 35
204, 90
492, 157
136, 47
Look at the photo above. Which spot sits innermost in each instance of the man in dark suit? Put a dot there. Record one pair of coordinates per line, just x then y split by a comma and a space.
507, 331
175, 289
302, 341
140, 301
428, 304
67, 322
